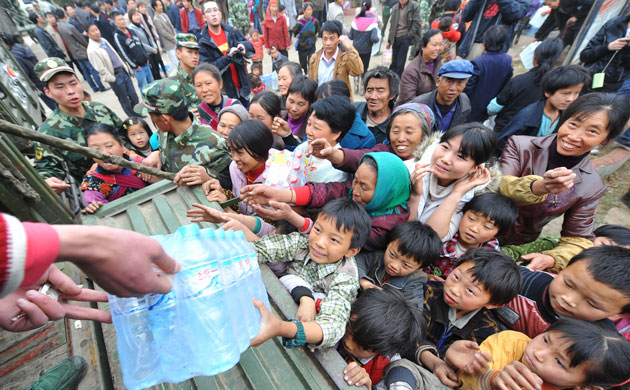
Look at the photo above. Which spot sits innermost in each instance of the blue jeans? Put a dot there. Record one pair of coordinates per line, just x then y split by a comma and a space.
125, 92
90, 75
399, 55
624, 138
144, 76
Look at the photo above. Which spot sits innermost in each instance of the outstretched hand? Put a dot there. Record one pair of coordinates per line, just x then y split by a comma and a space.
269, 324
275, 211
39, 308
202, 213
261, 194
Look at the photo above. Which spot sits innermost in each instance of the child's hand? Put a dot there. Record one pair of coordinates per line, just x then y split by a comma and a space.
306, 310
277, 212
517, 376
92, 208
417, 177
356, 375
206, 214
538, 261
446, 374
261, 194
269, 324
477, 178
365, 284
191, 175
465, 355
280, 127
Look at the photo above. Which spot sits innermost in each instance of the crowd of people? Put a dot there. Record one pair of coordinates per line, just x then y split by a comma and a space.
415, 247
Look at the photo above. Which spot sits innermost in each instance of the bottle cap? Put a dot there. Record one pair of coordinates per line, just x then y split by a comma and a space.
188, 230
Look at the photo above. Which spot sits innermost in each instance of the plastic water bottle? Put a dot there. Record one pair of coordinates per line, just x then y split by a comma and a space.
236, 295
274, 80
135, 343
255, 278
247, 309
202, 305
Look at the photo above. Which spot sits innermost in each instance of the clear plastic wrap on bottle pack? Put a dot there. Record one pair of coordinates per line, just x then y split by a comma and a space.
285, 169
204, 323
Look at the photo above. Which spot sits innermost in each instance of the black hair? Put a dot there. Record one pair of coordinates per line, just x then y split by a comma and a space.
452, 5
269, 101
305, 87
445, 24
564, 77
306, 5
349, 215
102, 128
59, 13
384, 322
154, 3
619, 234
617, 109
428, 35
206, 67
295, 69
281, 7
383, 72
609, 265
546, 55
334, 87
9, 40
365, 6
496, 271
96, 9
87, 28
179, 113
496, 207
114, 14
495, 38
50, 13
132, 121
253, 137
33, 17
337, 111
332, 27
110, 2
478, 141
598, 344
417, 240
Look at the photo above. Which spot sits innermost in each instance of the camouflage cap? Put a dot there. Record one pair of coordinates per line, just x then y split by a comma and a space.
187, 40
48, 67
161, 97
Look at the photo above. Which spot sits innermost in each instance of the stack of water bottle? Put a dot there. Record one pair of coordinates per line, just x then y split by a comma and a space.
204, 323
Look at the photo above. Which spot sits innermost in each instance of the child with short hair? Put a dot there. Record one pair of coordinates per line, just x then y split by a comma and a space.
256, 84
594, 286
570, 354
411, 245
448, 174
604, 235
459, 308
257, 41
492, 70
277, 59
450, 36
486, 217
137, 135
325, 260
561, 87
383, 326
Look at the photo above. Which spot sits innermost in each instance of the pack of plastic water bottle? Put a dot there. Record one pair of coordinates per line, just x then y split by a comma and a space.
285, 169
204, 323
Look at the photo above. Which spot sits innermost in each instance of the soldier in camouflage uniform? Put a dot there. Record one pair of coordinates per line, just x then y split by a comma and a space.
187, 51
69, 120
239, 15
193, 150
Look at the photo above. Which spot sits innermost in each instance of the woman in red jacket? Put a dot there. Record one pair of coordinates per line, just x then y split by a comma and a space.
275, 31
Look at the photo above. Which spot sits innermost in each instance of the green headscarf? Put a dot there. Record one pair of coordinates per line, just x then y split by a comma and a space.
392, 184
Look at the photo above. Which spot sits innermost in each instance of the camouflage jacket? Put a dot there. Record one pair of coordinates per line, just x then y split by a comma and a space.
188, 88
198, 145
239, 15
49, 159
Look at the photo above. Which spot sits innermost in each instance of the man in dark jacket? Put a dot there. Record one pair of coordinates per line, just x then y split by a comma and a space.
45, 39
131, 50
225, 47
403, 32
486, 13
566, 16
74, 20
102, 22
450, 105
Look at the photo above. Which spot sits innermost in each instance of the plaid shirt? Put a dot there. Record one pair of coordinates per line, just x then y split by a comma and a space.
448, 258
339, 281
